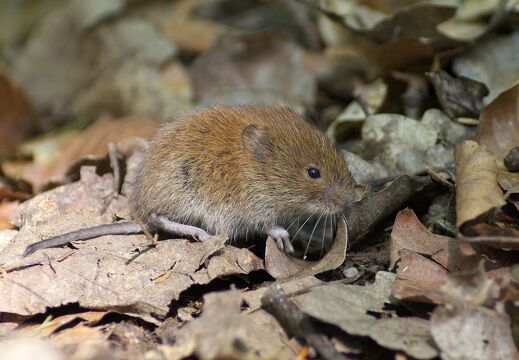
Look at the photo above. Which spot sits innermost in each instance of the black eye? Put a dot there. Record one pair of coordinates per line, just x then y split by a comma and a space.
314, 173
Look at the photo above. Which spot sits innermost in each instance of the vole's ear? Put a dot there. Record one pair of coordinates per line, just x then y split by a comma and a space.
256, 141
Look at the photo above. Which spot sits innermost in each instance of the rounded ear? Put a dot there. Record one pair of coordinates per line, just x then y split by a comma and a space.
359, 192
256, 141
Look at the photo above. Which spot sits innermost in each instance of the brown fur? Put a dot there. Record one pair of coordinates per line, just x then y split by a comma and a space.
233, 170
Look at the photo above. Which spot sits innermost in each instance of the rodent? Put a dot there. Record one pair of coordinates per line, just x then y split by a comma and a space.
233, 170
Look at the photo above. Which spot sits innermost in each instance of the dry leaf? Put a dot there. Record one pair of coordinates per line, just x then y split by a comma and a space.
110, 272
192, 35
479, 198
53, 156
7, 208
410, 234
477, 191
458, 97
351, 308
418, 278
48, 327
265, 68
283, 267
16, 118
499, 124
492, 62
221, 332
472, 332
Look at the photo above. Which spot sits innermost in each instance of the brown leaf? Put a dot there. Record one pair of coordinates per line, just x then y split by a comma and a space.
477, 287
499, 123
414, 21
410, 234
472, 332
111, 272
7, 208
479, 198
221, 332
458, 97
265, 67
477, 191
193, 35
16, 118
283, 267
49, 327
352, 308
418, 278
65, 152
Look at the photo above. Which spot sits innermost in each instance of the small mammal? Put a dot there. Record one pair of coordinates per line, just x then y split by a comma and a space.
232, 170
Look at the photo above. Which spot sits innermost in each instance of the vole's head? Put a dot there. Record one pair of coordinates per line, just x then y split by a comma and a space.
300, 169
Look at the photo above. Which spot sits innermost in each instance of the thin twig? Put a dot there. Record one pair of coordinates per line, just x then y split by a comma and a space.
296, 323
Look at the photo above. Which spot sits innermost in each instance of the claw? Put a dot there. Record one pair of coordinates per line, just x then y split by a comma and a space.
282, 238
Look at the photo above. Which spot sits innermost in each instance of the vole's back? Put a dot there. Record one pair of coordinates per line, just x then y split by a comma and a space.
194, 171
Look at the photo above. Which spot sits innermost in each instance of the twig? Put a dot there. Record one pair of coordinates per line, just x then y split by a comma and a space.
374, 207
296, 323
440, 179
114, 164
151, 238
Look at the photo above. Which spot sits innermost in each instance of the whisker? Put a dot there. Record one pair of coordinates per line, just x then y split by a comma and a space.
344, 221
324, 233
302, 226
292, 223
311, 235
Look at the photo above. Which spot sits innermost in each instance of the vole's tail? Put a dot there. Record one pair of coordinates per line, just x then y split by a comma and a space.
119, 228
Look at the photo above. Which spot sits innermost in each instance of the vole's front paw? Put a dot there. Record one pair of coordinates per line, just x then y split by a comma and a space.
282, 239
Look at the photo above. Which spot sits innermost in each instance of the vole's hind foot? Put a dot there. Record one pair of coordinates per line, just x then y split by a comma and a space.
172, 227
282, 238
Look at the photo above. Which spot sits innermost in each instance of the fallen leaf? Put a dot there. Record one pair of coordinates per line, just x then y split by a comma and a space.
222, 332
418, 278
477, 191
7, 208
477, 287
264, 68
410, 234
351, 308
415, 21
193, 35
48, 327
492, 62
290, 287
472, 332
55, 155
103, 273
24, 347
17, 119
458, 97
121, 67
478, 195
362, 171
283, 267
498, 127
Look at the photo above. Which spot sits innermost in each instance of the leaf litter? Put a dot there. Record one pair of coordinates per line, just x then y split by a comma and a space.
425, 265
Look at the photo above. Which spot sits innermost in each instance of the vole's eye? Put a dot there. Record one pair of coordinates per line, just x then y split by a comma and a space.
314, 173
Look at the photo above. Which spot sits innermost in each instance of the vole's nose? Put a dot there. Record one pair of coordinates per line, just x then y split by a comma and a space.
334, 196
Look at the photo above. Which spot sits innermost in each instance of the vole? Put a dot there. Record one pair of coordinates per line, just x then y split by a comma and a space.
232, 170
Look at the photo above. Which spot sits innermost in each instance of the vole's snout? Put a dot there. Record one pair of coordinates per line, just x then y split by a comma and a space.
336, 198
